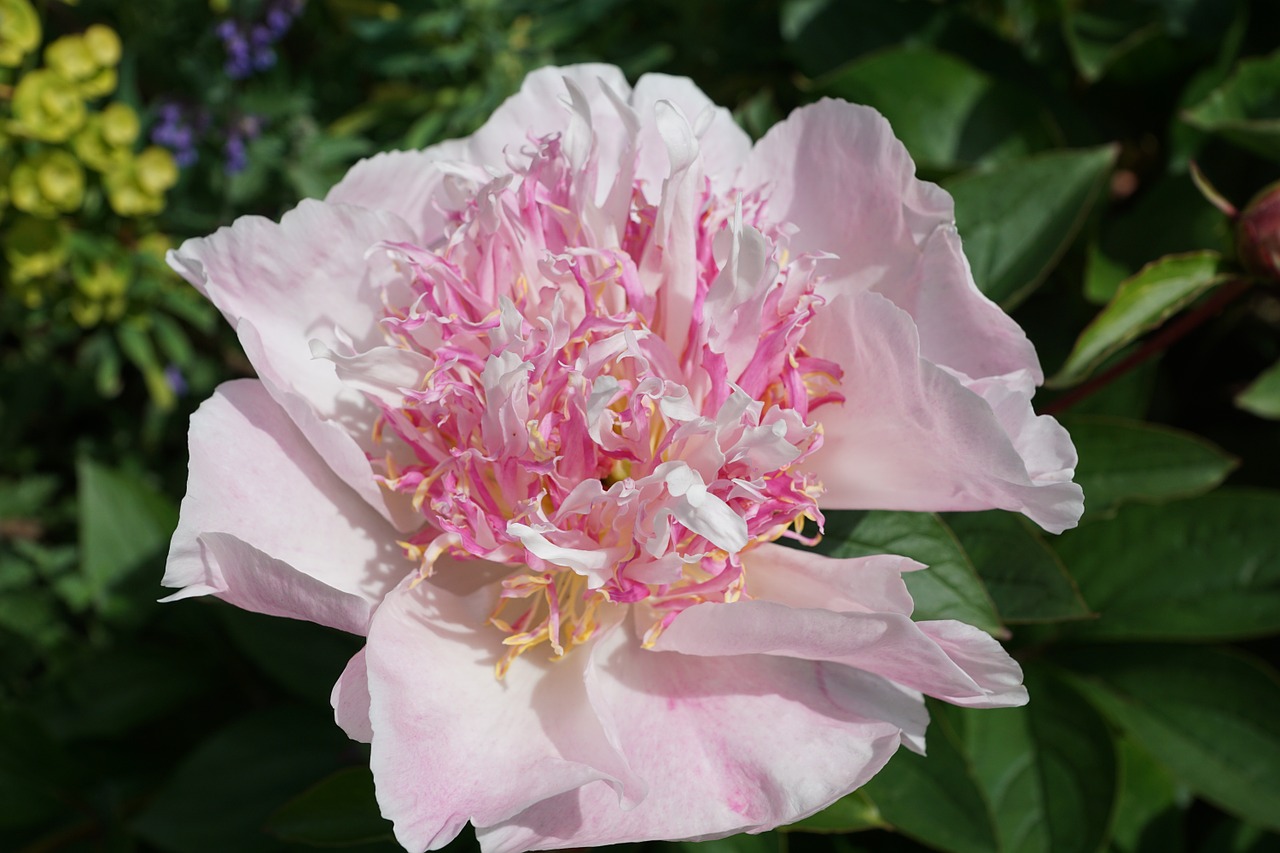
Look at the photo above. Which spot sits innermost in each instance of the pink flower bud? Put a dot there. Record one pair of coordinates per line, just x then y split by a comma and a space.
1258, 234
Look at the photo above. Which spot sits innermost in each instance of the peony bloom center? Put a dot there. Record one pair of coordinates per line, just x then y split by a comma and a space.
618, 445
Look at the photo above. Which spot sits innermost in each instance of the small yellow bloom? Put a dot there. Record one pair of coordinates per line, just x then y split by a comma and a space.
86, 312
70, 57
157, 170
19, 31
136, 187
34, 248
47, 106
103, 281
103, 44
60, 178
94, 150
119, 124
155, 246
47, 184
102, 83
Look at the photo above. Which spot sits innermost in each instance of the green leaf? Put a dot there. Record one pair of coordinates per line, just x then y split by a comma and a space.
1202, 569
948, 589
1262, 397
1101, 36
1018, 218
302, 657
1246, 108
1143, 302
221, 795
122, 523
1209, 715
853, 813
949, 115
824, 34
1233, 836
1123, 461
1048, 769
1025, 578
124, 687
26, 497
1166, 217
340, 810
1143, 40
34, 615
935, 800
136, 344
1149, 811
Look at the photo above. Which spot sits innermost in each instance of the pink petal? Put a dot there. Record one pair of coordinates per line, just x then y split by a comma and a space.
268, 526
350, 700
911, 436
404, 183
726, 745
409, 183
979, 655
887, 644
724, 145
541, 107
453, 743
805, 579
284, 285
837, 172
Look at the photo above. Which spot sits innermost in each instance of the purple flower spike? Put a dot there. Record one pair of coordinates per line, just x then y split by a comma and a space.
176, 380
236, 156
278, 22
261, 37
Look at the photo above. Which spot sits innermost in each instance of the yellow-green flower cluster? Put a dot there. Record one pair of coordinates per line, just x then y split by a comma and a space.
52, 105
63, 151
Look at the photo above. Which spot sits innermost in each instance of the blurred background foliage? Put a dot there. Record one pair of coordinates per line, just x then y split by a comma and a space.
1102, 156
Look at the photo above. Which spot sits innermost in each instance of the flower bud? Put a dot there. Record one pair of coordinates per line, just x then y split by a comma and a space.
1258, 234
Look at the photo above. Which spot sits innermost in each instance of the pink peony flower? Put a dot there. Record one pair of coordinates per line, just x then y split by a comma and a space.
534, 409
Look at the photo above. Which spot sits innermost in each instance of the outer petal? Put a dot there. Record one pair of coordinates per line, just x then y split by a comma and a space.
541, 107
451, 742
350, 700
887, 644
804, 579
404, 183
911, 436
284, 285
267, 526
723, 144
727, 744
409, 183
836, 171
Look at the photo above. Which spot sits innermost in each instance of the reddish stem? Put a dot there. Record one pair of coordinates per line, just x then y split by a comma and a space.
1162, 340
